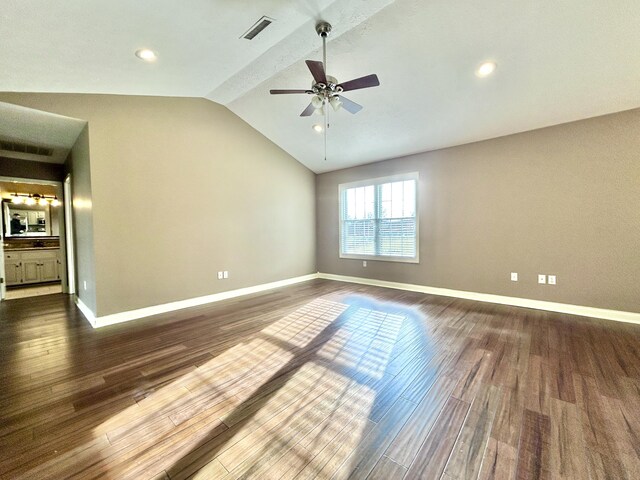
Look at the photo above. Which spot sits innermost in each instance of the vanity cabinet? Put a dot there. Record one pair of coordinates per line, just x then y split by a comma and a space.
30, 271
49, 270
36, 266
13, 271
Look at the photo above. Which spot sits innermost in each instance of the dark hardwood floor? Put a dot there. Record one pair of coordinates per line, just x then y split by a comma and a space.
319, 380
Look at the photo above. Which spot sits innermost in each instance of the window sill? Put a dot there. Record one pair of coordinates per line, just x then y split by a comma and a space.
380, 258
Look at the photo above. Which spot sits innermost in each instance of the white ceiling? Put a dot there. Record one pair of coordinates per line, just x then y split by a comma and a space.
557, 62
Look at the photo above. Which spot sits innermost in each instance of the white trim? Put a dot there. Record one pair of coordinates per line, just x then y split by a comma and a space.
31, 181
617, 315
68, 231
3, 276
86, 311
620, 316
376, 182
396, 177
127, 316
382, 258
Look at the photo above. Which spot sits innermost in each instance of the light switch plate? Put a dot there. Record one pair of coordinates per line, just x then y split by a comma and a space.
225, 274
514, 276
551, 279
542, 279
364, 263
219, 275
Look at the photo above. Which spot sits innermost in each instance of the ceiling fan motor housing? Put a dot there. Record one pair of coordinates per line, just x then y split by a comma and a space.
326, 91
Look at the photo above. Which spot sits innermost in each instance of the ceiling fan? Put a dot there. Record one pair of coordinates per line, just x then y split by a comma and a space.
326, 89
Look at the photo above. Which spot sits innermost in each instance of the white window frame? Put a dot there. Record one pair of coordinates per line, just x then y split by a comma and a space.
375, 182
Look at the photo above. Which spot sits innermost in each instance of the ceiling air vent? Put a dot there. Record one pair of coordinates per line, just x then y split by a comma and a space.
25, 148
258, 27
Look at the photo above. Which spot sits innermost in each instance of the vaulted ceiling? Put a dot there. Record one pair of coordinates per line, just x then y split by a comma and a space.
556, 62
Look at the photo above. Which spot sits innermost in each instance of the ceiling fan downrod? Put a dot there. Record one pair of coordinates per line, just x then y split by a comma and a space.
323, 29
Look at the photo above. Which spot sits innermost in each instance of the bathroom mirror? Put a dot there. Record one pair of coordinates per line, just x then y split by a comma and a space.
22, 220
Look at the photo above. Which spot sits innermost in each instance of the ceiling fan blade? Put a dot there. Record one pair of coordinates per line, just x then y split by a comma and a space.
307, 112
317, 70
362, 82
350, 106
281, 92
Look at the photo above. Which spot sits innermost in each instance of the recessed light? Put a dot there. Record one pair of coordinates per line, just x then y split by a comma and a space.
146, 55
317, 127
486, 69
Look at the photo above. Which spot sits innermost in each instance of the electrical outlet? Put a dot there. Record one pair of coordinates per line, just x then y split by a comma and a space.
225, 274
542, 279
219, 275
364, 263
514, 276
551, 279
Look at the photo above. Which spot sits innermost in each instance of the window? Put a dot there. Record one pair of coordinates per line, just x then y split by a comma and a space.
378, 219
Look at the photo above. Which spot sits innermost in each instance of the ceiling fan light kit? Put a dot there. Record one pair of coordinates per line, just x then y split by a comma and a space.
326, 89
335, 102
317, 102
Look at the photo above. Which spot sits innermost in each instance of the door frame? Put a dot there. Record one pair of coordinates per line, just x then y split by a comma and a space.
64, 240
68, 226
3, 275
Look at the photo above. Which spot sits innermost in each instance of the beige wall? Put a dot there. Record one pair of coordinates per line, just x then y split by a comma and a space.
11, 167
563, 200
78, 164
183, 188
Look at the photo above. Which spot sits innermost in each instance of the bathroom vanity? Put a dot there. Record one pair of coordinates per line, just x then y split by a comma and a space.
29, 260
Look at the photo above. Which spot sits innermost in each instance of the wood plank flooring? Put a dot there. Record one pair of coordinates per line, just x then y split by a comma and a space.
319, 380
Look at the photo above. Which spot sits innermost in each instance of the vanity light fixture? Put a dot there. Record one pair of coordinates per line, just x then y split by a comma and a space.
33, 199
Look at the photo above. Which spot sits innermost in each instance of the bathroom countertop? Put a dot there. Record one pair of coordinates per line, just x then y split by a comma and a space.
23, 249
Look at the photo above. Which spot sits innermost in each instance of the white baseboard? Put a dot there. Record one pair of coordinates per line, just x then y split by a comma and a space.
97, 322
86, 311
127, 316
620, 316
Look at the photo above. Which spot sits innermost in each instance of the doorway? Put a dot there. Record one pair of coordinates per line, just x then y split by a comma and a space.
33, 251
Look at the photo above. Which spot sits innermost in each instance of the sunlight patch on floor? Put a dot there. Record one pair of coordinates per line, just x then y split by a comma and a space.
272, 404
